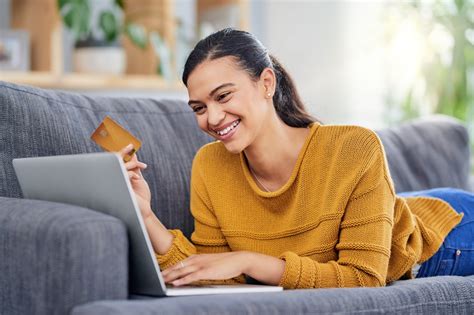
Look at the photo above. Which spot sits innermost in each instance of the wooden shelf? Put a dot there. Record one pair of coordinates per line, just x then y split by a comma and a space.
42, 20
76, 81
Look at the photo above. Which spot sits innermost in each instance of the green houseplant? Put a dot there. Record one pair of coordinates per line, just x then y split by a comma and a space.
105, 29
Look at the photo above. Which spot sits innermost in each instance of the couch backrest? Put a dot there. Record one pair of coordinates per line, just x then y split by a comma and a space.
425, 153
37, 122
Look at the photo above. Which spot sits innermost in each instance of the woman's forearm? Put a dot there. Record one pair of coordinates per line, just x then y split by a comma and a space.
264, 268
160, 237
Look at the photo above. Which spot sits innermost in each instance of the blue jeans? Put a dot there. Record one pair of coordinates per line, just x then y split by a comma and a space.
456, 255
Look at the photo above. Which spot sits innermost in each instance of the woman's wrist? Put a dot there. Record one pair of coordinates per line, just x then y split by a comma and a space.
147, 213
264, 268
160, 237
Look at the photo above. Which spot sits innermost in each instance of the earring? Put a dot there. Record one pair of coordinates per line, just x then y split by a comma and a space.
269, 94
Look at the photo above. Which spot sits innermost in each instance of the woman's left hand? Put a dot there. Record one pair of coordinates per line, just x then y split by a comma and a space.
219, 266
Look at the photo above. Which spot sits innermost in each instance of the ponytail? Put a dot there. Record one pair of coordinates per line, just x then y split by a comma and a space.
287, 101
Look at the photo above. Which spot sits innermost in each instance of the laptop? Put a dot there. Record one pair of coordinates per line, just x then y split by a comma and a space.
99, 181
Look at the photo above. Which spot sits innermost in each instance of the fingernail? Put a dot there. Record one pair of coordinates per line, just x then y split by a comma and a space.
130, 146
144, 165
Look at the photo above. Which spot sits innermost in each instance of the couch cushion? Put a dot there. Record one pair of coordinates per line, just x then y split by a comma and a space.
427, 153
436, 295
55, 256
37, 122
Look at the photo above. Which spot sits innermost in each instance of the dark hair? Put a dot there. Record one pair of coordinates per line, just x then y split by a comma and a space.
252, 57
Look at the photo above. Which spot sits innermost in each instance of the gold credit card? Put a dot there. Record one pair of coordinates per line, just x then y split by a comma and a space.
112, 137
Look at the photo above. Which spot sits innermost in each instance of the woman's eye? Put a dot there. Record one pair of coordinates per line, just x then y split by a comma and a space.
197, 109
222, 96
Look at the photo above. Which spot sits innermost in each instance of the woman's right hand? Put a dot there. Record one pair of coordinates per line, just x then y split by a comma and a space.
139, 185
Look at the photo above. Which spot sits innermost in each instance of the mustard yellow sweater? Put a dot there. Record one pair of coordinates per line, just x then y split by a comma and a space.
337, 222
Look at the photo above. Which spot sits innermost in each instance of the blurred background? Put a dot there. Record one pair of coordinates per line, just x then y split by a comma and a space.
371, 63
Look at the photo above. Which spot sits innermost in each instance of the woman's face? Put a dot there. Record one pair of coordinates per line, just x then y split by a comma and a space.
228, 104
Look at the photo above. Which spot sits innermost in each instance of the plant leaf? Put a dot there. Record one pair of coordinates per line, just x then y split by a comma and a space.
137, 33
76, 16
163, 54
62, 3
119, 3
109, 25
83, 20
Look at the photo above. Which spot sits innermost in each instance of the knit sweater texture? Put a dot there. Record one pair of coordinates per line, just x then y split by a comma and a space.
337, 222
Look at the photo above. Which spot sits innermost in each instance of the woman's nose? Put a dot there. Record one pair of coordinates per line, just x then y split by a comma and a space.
215, 116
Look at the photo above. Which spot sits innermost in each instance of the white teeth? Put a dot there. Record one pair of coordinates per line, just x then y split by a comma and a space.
228, 129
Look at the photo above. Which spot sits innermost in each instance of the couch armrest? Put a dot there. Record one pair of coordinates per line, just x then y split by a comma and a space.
55, 256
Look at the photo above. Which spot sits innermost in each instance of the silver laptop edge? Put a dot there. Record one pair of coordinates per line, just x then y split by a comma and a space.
99, 171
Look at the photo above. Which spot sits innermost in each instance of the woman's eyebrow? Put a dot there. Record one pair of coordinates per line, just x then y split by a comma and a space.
212, 92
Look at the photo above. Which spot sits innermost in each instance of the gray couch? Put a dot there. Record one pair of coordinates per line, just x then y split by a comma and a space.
63, 259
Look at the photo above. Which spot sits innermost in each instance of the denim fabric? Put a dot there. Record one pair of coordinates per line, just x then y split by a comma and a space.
456, 254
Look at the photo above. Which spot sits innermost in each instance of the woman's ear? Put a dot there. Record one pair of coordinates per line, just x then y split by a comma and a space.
268, 80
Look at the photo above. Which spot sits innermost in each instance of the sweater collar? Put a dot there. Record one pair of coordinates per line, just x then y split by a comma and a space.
268, 194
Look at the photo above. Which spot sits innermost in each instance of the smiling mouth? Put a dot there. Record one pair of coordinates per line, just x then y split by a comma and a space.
228, 129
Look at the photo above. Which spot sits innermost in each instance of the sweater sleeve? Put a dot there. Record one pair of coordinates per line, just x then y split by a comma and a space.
207, 236
363, 247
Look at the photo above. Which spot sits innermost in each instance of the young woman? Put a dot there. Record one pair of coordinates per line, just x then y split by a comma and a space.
286, 200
